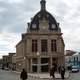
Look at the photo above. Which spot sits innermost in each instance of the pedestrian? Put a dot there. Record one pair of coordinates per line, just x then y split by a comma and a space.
52, 71
23, 75
62, 72
59, 69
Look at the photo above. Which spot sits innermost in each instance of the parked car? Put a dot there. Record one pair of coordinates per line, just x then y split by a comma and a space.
75, 69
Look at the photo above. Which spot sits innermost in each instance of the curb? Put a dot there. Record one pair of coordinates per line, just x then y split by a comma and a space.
37, 77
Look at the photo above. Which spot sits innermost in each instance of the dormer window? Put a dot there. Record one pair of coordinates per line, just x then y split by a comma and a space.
34, 26
53, 26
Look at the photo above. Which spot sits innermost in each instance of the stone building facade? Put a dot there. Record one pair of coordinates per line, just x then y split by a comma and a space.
42, 45
14, 62
7, 60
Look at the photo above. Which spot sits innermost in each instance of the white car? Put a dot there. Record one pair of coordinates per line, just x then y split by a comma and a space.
75, 69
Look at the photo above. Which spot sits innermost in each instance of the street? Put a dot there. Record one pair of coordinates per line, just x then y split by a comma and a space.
75, 76
9, 75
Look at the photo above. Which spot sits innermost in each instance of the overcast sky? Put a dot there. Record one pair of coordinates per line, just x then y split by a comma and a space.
14, 15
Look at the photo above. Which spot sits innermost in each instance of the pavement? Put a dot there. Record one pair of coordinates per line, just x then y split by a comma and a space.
46, 76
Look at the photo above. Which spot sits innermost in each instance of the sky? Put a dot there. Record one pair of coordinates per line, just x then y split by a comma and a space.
15, 14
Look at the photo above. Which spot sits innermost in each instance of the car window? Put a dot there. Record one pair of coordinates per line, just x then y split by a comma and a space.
74, 67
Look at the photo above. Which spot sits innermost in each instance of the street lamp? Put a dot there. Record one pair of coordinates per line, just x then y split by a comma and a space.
24, 62
24, 58
19, 64
38, 55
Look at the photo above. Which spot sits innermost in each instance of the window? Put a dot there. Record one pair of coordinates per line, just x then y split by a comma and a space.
53, 45
44, 45
74, 58
44, 65
34, 60
52, 26
77, 58
34, 26
34, 46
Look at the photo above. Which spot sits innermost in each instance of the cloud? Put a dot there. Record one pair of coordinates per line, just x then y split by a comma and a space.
8, 42
14, 15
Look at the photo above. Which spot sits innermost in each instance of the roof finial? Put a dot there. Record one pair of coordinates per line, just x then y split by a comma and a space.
43, 6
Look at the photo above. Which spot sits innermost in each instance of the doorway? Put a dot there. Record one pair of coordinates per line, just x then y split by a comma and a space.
44, 64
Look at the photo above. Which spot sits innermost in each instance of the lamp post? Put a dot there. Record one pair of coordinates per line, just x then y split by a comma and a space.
24, 58
38, 67
24, 62
19, 64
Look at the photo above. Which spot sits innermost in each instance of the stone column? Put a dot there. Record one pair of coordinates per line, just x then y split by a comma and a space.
51, 61
39, 46
49, 46
38, 56
24, 63
31, 65
39, 67
24, 55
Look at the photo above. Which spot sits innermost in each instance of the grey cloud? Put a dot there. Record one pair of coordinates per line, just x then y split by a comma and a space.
2, 48
15, 16
12, 18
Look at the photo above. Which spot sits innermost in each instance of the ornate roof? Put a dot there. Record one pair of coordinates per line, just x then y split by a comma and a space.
40, 15
43, 13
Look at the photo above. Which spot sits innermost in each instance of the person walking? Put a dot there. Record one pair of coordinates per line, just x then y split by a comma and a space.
62, 72
52, 71
23, 75
59, 69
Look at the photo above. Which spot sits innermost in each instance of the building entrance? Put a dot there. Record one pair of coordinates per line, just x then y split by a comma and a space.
34, 65
43, 65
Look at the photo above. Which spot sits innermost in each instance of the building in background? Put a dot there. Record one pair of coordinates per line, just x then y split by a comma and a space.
42, 46
10, 65
14, 62
0, 63
72, 58
7, 61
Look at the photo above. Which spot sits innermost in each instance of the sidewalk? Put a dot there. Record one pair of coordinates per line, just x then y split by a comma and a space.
47, 75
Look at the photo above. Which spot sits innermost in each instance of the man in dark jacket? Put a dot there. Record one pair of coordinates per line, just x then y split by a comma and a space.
62, 72
59, 69
23, 75
52, 71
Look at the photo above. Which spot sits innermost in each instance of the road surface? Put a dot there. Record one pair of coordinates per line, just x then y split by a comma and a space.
9, 75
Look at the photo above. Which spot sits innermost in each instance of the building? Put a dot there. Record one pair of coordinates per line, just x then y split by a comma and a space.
1, 62
74, 59
68, 57
14, 62
70, 52
42, 46
7, 60
10, 65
